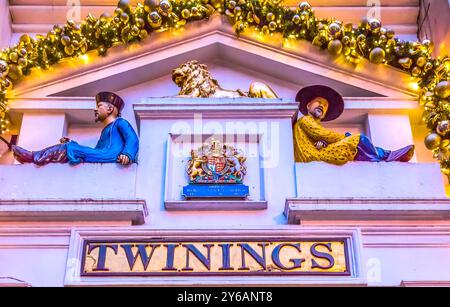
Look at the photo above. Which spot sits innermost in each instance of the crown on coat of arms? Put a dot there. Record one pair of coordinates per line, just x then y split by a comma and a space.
216, 163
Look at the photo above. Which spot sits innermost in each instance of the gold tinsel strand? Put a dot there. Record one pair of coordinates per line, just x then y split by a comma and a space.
368, 40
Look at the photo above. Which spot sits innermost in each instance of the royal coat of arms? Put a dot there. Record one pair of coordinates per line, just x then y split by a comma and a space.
216, 163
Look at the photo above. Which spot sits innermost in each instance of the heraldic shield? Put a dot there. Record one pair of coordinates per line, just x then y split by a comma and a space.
216, 171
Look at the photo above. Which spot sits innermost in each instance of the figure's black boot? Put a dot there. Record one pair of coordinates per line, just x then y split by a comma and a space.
402, 155
22, 155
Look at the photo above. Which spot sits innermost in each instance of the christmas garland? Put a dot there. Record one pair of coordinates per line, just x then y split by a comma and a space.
368, 40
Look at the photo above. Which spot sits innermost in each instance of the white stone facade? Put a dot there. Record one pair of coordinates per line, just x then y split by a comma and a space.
396, 215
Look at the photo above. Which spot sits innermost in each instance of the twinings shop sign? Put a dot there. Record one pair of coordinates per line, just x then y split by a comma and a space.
244, 257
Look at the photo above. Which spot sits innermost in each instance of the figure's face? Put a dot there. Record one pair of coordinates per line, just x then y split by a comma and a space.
180, 74
318, 108
102, 111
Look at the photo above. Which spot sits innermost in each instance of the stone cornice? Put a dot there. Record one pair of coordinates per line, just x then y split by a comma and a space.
298, 210
38, 210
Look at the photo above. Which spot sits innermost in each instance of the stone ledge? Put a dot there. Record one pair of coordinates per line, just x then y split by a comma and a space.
310, 209
224, 108
133, 211
369, 180
214, 205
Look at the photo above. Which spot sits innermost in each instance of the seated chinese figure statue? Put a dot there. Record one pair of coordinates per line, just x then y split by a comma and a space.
118, 141
313, 142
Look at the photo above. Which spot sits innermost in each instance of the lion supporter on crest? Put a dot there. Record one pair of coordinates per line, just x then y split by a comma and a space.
118, 141
312, 142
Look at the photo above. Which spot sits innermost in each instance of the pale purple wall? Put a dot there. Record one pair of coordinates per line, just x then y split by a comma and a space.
5, 24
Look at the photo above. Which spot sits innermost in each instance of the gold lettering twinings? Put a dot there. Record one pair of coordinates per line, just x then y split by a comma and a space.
128, 258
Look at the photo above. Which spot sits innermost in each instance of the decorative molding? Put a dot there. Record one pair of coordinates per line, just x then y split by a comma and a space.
351, 209
223, 108
134, 210
214, 205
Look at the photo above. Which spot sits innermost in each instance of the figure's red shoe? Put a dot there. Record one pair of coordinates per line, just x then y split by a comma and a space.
22, 155
402, 155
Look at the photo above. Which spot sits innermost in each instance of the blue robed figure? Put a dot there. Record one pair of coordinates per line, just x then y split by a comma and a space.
118, 141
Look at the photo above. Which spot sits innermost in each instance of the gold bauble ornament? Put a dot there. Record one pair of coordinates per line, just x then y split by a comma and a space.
124, 17
416, 71
348, 27
433, 141
296, 19
383, 39
7, 83
22, 62
335, 47
334, 29
69, 50
428, 66
361, 38
135, 30
139, 10
118, 12
346, 40
104, 17
232, 4
272, 26
421, 61
15, 72
377, 55
265, 30
4, 68
270, 16
428, 46
374, 25
443, 127
154, 19
71, 23
150, 5
390, 33
405, 62
124, 5
318, 41
217, 4
140, 23
25, 39
143, 34
442, 90
347, 51
13, 57
186, 13
240, 27
304, 6
237, 11
165, 7
352, 44
65, 40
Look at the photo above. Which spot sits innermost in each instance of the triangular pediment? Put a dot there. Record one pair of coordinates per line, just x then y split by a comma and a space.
294, 63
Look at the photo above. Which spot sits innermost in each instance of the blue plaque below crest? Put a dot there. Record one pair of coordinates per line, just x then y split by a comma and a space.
215, 191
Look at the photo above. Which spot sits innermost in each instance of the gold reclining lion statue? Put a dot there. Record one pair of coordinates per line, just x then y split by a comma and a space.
195, 81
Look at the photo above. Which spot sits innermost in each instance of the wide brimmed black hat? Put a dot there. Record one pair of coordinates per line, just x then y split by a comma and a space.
335, 100
111, 98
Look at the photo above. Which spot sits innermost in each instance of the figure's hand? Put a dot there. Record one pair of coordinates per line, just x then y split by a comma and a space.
321, 144
64, 139
123, 159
